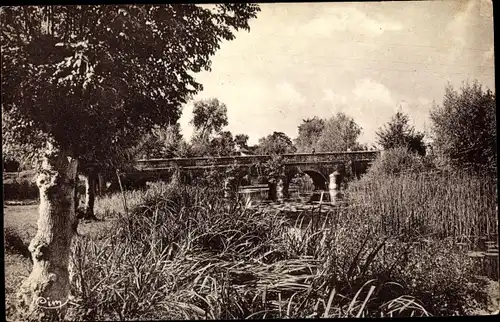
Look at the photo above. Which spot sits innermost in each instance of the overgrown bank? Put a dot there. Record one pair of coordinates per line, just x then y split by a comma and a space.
183, 252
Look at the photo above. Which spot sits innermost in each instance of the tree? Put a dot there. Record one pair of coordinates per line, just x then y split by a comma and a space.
464, 128
184, 150
209, 117
399, 133
398, 160
222, 145
274, 170
162, 141
241, 141
309, 132
340, 133
276, 143
83, 83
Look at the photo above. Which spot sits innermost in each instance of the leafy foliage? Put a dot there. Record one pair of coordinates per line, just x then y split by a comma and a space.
399, 160
162, 141
274, 168
438, 272
276, 143
338, 133
309, 132
399, 133
223, 144
209, 117
96, 78
241, 141
465, 128
184, 150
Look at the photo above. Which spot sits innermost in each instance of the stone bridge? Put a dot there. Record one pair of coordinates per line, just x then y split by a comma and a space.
317, 165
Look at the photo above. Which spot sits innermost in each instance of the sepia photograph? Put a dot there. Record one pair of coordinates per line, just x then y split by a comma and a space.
231, 161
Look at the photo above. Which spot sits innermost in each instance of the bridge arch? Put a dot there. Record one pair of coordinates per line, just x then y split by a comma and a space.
319, 180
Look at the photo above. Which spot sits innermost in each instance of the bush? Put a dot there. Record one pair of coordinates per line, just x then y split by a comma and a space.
303, 182
399, 160
444, 277
20, 186
465, 128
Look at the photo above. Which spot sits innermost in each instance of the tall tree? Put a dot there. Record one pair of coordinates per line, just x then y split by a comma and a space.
241, 141
222, 145
309, 132
340, 133
162, 141
276, 143
80, 84
209, 117
399, 133
464, 127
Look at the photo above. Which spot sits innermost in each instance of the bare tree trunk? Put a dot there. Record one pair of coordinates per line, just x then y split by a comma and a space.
272, 193
100, 184
88, 208
47, 287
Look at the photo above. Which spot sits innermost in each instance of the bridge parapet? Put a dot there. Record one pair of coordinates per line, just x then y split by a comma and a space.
288, 159
311, 158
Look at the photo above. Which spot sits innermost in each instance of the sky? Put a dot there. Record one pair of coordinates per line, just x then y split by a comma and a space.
365, 59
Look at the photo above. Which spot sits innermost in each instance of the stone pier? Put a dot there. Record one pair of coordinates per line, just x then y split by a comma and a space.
334, 186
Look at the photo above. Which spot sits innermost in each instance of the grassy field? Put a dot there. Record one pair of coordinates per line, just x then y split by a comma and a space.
183, 252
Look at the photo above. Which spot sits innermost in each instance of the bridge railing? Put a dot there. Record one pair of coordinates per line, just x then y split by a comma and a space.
290, 159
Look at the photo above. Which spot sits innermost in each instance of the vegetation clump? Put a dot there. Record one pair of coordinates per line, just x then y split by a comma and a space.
184, 252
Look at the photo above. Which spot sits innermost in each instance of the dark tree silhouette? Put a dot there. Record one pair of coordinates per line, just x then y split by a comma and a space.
399, 133
465, 128
82, 84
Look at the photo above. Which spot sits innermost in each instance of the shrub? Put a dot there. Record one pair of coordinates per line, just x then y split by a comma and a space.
20, 186
465, 128
399, 160
444, 277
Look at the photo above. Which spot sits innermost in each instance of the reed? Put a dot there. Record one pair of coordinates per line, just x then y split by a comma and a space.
186, 253
435, 204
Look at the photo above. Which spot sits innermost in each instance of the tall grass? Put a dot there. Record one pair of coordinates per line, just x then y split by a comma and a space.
430, 204
185, 253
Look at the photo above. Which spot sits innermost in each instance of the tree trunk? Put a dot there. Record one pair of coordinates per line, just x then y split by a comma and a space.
100, 185
88, 207
272, 194
45, 292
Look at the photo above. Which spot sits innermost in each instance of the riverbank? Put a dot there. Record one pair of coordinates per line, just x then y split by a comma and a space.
23, 219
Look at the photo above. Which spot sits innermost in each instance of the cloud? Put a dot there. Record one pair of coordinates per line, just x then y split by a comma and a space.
334, 98
368, 89
334, 19
460, 23
368, 102
301, 61
288, 93
488, 56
